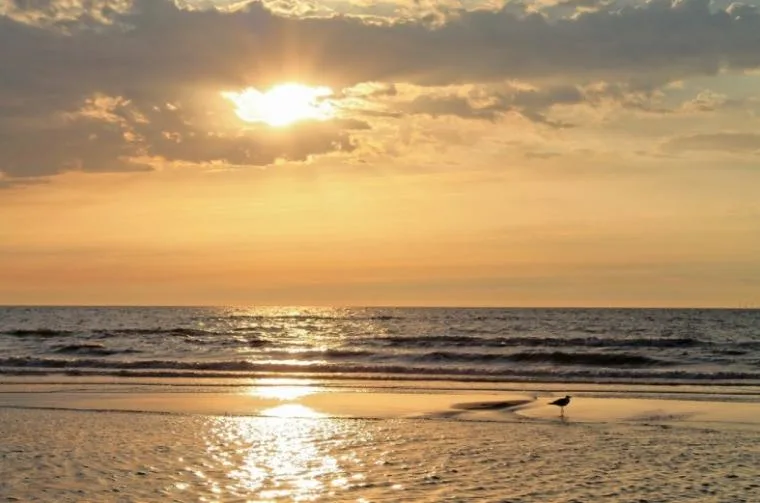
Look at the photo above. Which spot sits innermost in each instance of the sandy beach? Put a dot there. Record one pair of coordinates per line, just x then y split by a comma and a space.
307, 441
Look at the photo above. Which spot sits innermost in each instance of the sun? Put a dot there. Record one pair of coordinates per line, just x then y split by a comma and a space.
283, 104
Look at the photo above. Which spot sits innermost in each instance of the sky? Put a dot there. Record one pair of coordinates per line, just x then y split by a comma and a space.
454, 153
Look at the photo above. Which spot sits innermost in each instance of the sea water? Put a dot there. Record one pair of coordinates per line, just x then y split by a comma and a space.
629, 346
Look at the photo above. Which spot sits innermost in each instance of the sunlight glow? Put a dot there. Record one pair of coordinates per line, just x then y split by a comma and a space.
291, 410
283, 392
283, 104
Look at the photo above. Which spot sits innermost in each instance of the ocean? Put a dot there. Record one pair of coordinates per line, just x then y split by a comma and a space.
627, 346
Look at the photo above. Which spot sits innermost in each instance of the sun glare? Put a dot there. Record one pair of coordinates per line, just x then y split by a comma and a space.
283, 104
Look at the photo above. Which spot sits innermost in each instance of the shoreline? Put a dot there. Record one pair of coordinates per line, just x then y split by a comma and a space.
473, 382
308, 398
712, 390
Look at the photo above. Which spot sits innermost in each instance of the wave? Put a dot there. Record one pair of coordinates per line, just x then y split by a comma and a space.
220, 365
251, 337
47, 332
91, 349
475, 341
747, 344
603, 359
227, 365
300, 317
191, 335
177, 331
555, 357
170, 369
335, 360
41, 332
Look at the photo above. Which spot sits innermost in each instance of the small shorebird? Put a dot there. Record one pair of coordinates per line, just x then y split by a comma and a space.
561, 403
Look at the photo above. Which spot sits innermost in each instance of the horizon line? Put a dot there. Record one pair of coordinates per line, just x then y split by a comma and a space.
378, 306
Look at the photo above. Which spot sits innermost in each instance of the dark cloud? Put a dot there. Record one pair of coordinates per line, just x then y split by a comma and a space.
654, 43
584, 4
165, 45
454, 105
81, 147
111, 134
492, 105
533, 104
740, 143
58, 54
96, 100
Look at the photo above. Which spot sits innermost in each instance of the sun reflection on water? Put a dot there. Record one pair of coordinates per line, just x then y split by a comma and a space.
291, 410
288, 457
283, 388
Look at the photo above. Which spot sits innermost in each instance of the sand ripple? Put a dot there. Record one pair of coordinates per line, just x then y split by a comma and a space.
64, 456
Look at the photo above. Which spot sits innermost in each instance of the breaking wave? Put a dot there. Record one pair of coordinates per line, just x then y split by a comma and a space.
169, 368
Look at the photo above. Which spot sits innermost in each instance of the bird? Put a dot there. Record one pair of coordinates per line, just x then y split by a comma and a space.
561, 403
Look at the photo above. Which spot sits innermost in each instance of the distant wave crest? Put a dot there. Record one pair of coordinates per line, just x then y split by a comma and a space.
476, 341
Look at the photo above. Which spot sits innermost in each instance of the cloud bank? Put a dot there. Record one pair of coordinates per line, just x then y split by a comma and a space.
115, 85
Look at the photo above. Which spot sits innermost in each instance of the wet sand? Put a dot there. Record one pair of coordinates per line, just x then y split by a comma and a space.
302, 441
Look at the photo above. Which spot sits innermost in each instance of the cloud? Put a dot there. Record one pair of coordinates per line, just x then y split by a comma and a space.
7, 183
64, 15
491, 102
583, 4
710, 101
108, 134
60, 110
658, 39
162, 68
652, 43
739, 143
541, 155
